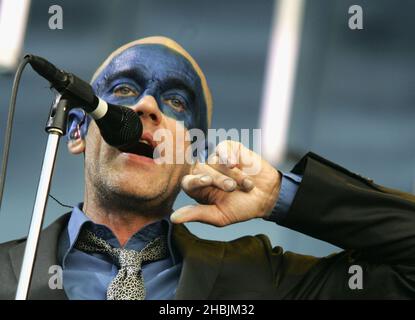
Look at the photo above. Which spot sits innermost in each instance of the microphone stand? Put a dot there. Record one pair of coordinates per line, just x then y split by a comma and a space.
56, 128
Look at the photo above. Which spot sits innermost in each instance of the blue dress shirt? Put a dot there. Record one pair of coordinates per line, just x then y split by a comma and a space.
289, 186
86, 276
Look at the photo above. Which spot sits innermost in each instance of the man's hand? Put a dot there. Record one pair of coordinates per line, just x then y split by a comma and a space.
225, 192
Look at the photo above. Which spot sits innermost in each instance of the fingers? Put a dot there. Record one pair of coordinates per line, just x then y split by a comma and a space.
192, 182
228, 153
208, 177
234, 154
216, 175
243, 181
199, 213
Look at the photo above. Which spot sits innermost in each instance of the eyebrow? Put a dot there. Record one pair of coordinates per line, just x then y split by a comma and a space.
174, 81
128, 73
177, 83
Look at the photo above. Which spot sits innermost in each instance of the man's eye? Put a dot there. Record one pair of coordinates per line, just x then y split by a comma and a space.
175, 103
125, 91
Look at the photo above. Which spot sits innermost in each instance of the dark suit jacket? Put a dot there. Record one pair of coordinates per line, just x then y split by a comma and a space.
375, 226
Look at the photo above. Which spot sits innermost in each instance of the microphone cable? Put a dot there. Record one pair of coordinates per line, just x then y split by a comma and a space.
60, 203
9, 127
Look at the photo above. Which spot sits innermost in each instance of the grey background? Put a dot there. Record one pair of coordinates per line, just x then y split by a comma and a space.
353, 101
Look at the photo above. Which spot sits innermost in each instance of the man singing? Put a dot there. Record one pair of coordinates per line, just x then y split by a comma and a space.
125, 242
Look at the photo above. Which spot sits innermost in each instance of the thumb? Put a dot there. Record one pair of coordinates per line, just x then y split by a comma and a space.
197, 213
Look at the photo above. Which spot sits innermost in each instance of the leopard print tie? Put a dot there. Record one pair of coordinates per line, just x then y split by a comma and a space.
128, 284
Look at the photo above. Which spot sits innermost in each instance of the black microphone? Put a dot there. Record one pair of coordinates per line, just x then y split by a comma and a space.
119, 126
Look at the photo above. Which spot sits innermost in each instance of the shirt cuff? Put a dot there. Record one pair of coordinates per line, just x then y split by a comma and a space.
289, 186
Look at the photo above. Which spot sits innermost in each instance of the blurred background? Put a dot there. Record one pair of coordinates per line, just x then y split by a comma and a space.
295, 70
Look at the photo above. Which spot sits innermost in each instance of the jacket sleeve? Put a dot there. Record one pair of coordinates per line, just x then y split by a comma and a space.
352, 212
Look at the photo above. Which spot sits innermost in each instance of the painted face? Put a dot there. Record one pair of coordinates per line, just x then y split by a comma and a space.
157, 71
163, 87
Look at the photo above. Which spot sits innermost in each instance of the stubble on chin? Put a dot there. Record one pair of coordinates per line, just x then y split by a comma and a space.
109, 192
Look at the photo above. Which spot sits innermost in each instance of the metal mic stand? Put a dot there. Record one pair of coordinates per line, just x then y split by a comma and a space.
55, 127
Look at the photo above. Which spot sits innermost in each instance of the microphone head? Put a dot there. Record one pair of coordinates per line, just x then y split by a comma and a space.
132, 128
120, 126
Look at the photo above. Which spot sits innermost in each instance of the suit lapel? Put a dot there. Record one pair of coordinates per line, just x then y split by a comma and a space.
201, 264
45, 258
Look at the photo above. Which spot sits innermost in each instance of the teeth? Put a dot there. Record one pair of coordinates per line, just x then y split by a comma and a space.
145, 142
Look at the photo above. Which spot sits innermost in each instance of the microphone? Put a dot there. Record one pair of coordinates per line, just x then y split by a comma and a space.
119, 126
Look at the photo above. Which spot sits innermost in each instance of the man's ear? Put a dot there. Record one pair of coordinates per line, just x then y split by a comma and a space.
76, 131
76, 146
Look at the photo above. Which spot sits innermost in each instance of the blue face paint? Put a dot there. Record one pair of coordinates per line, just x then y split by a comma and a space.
155, 70
77, 126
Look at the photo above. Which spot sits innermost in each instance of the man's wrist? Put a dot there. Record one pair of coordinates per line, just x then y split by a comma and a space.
290, 183
274, 195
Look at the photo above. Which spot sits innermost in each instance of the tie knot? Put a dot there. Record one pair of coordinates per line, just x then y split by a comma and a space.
153, 251
128, 258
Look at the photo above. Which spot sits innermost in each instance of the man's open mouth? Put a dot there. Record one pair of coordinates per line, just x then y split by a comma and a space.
141, 148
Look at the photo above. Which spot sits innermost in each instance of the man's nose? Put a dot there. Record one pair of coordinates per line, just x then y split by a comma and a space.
148, 110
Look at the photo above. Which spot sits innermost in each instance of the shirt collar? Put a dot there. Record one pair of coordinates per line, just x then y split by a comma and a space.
79, 220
